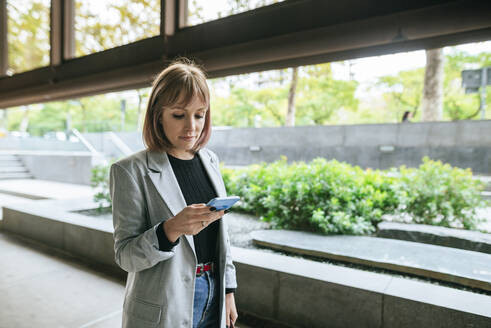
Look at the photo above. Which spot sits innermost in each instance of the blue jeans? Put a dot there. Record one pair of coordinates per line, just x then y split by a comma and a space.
206, 299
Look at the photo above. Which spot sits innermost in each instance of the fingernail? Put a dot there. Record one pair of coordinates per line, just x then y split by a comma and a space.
212, 209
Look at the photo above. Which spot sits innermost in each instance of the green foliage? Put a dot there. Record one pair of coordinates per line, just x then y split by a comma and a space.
403, 91
196, 14
28, 34
336, 198
319, 95
456, 104
438, 194
96, 31
89, 114
243, 105
100, 182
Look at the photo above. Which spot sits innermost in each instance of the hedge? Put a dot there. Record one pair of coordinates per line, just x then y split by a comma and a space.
330, 197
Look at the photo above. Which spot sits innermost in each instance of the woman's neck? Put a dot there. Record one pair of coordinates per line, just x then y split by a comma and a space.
184, 155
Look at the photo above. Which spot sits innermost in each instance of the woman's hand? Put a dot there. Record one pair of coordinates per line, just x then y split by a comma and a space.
231, 310
190, 221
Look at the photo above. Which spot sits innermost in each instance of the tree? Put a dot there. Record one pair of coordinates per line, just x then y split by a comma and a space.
142, 94
456, 104
244, 106
320, 96
28, 34
196, 14
432, 104
290, 115
135, 20
403, 92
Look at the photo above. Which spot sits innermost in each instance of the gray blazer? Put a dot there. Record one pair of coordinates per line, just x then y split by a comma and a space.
160, 285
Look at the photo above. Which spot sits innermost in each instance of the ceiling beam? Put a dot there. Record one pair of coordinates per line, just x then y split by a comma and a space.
286, 34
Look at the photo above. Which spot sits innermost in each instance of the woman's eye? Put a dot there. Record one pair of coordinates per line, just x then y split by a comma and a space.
199, 116
178, 116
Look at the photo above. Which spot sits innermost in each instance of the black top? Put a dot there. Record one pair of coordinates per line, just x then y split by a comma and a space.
196, 188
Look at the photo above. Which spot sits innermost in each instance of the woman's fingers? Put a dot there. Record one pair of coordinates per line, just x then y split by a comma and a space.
207, 215
196, 217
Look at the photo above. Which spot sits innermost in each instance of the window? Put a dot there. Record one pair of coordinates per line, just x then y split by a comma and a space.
104, 24
28, 27
201, 11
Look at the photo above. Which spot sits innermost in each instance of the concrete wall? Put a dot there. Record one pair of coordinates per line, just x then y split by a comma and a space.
289, 291
462, 144
70, 167
89, 238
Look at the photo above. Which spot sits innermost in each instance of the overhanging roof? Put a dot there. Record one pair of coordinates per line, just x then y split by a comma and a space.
286, 34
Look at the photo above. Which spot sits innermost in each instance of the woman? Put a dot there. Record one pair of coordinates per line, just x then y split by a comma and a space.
175, 248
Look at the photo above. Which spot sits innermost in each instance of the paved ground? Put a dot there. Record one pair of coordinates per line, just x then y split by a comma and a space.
44, 189
42, 290
39, 289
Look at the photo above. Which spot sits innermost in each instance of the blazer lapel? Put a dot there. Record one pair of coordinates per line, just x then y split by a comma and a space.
212, 169
164, 180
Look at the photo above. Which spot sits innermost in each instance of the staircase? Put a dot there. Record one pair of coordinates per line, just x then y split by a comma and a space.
11, 167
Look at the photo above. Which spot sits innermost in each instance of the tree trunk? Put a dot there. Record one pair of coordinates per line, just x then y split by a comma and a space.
24, 124
290, 115
140, 99
432, 104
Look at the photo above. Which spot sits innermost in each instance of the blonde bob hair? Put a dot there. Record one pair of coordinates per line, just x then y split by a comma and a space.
176, 85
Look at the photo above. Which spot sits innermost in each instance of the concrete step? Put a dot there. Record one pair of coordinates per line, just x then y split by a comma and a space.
8, 157
422, 233
466, 268
15, 175
9, 169
10, 163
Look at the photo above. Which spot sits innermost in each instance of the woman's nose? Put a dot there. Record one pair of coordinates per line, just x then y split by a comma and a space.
190, 124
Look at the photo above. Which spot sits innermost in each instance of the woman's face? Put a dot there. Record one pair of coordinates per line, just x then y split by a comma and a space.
183, 127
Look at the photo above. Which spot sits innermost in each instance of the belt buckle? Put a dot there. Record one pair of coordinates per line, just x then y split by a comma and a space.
201, 269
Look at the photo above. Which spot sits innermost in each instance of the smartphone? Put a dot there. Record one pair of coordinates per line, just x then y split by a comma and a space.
223, 203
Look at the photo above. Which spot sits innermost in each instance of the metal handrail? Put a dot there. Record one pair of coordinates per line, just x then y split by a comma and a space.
86, 143
119, 143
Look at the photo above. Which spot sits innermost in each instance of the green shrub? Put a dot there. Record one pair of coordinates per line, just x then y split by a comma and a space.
100, 182
439, 194
330, 197
336, 198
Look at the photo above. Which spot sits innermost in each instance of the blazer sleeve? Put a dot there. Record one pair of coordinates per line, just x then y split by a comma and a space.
136, 246
230, 275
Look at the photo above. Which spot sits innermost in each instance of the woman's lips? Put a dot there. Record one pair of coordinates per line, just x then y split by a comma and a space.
187, 138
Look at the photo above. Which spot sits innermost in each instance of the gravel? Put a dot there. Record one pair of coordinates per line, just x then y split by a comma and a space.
240, 227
